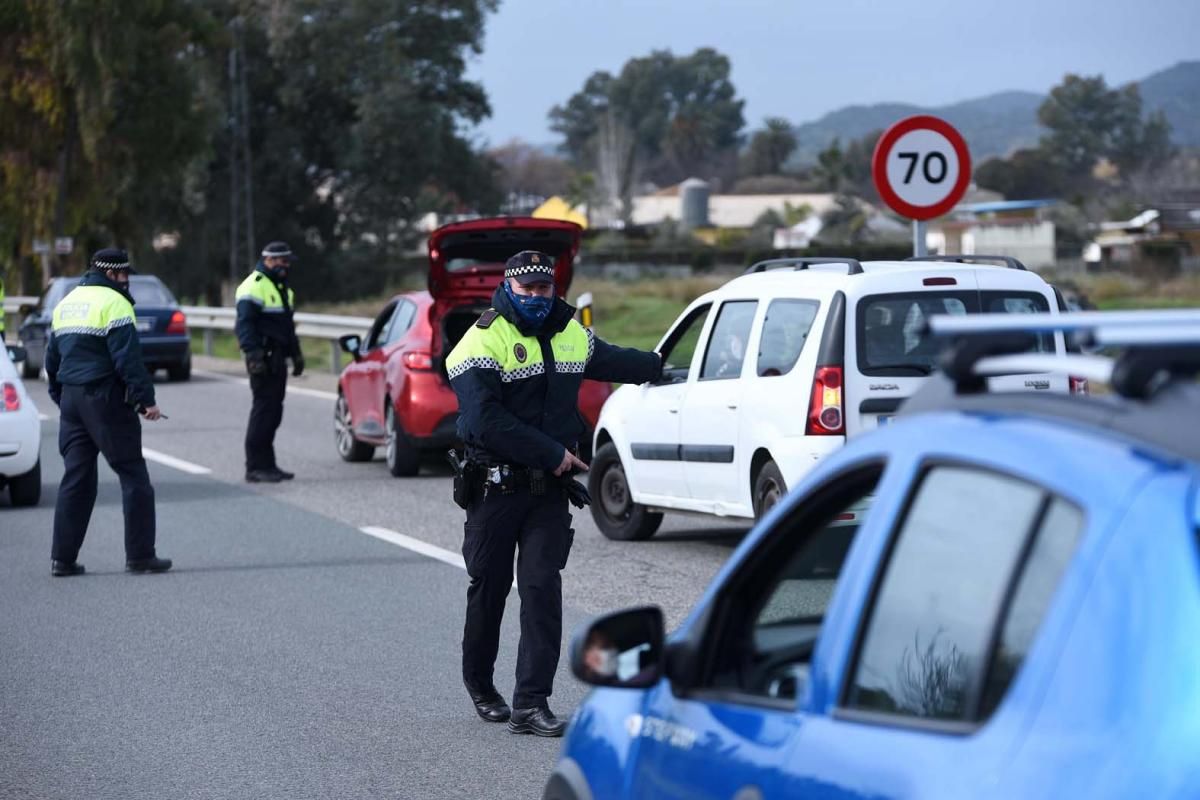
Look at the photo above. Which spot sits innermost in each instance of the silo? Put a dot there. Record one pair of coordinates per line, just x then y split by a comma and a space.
693, 203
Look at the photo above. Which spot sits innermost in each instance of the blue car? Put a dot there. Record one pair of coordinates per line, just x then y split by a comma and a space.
996, 597
162, 326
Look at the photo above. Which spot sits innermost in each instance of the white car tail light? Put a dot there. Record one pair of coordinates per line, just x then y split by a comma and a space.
12, 400
825, 413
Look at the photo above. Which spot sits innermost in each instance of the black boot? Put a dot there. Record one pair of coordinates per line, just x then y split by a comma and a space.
61, 569
489, 705
284, 474
263, 476
153, 564
537, 720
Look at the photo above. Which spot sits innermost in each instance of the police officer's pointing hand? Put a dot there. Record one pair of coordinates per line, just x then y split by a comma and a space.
570, 462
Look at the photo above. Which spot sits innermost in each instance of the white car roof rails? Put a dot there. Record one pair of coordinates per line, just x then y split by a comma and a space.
1007, 261
1159, 347
852, 264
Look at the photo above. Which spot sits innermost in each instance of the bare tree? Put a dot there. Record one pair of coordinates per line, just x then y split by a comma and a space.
932, 683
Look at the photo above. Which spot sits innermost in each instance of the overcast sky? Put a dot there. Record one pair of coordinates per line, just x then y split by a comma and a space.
799, 59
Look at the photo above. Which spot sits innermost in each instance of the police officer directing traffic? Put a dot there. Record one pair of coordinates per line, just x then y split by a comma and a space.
100, 383
267, 336
517, 373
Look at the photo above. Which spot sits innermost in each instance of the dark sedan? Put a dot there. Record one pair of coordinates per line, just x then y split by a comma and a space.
162, 326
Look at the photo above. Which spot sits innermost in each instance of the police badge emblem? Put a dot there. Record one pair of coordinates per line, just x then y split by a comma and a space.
520, 352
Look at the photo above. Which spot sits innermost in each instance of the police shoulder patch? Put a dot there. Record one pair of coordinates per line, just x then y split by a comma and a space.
487, 318
258, 277
520, 352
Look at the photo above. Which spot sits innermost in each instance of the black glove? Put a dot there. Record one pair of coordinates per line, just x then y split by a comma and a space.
256, 362
297, 365
577, 493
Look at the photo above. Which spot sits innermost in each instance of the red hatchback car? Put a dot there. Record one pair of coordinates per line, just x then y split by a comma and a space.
396, 394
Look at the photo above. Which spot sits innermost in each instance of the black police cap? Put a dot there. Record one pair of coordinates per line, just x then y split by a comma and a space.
111, 258
278, 250
530, 266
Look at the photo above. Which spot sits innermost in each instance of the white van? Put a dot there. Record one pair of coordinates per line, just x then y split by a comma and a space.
768, 373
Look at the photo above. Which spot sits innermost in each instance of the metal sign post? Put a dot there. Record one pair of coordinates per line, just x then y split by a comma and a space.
918, 230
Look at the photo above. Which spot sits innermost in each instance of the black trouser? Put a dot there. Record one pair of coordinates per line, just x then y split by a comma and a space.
266, 412
538, 530
95, 419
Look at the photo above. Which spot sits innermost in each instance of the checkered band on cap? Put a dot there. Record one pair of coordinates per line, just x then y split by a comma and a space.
276, 250
532, 269
110, 258
529, 263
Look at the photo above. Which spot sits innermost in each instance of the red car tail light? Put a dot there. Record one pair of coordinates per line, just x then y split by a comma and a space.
1079, 385
178, 323
12, 400
418, 360
825, 414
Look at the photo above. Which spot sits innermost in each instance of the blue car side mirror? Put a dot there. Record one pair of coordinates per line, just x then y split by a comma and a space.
623, 650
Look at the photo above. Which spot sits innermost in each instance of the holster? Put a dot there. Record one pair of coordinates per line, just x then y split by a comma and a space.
466, 479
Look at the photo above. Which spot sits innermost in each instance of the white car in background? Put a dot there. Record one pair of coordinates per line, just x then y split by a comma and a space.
775, 369
20, 434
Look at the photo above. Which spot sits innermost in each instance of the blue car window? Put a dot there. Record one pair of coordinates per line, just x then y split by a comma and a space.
931, 626
777, 604
1048, 559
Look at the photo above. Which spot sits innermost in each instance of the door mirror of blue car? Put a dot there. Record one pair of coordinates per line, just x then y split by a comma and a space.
351, 343
623, 650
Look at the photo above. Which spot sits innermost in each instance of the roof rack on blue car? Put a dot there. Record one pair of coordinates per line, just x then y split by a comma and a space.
1007, 261
852, 264
1157, 347
1155, 396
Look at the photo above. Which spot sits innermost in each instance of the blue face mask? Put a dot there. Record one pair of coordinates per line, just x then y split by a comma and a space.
532, 310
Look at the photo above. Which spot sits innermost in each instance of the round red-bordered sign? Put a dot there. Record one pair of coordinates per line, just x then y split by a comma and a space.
921, 167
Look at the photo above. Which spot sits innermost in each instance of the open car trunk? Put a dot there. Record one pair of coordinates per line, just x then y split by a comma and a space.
466, 264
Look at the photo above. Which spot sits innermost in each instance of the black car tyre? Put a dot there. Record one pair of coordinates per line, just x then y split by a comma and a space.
403, 459
349, 448
181, 371
26, 490
613, 509
769, 489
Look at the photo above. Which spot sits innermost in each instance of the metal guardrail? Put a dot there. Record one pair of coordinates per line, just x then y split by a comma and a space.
211, 320
309, 326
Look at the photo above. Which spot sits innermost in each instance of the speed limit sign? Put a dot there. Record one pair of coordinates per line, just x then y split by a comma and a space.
921, 167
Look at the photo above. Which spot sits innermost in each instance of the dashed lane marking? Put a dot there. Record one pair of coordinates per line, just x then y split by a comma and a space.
418, 546
300, 390
174, 463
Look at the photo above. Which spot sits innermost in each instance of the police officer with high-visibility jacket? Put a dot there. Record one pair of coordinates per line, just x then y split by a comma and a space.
516, 373
100, 384
267, 336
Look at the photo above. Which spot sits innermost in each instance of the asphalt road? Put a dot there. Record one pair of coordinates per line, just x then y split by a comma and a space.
289, 654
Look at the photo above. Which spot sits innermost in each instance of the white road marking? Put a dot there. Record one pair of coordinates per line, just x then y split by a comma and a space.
220, 376
418, 546
175, 463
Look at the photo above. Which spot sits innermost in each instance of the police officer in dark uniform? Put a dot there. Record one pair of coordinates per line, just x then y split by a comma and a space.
517, 373
267, 336
100, 383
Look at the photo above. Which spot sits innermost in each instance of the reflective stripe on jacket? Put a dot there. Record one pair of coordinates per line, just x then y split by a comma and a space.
93, 337
264, 314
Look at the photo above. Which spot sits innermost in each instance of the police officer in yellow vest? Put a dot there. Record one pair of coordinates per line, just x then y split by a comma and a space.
100, 384
517, 373
267, 336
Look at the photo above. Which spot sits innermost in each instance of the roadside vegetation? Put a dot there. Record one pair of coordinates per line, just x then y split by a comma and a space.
638, 313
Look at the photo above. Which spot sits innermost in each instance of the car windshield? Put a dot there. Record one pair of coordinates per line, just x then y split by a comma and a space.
57, 291
891, 327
